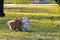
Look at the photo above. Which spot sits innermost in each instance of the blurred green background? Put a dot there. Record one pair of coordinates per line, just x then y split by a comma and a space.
25, 1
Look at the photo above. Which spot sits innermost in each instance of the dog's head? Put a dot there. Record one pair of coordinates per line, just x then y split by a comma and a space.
18, 22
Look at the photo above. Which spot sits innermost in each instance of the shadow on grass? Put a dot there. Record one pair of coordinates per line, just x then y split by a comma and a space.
23, 31
30, 31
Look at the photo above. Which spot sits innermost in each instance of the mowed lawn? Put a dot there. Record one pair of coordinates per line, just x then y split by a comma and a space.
43, 26
17, 1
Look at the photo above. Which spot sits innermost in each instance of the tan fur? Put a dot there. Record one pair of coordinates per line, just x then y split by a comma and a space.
15, 24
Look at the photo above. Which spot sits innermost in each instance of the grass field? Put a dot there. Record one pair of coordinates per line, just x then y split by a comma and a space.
23, 1
43, 25
17, 1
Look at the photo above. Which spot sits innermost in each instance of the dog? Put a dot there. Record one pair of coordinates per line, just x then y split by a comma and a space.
15, 24
21, 24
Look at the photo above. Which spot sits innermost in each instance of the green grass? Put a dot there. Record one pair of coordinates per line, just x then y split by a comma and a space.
44, 29
44, 26
50, 9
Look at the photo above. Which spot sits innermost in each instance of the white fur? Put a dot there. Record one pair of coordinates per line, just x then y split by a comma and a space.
26, 24
25, 21
9, 24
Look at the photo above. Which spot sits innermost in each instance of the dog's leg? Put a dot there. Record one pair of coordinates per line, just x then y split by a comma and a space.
9, 25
